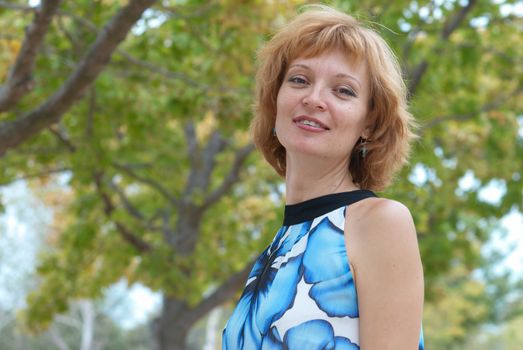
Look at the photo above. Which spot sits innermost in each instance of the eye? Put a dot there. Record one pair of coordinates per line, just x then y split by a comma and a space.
297, 79
345, 91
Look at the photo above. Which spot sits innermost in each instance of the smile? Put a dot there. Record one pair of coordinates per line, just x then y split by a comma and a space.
309, 123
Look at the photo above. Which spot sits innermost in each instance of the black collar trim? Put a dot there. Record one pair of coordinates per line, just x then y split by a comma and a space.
312, 208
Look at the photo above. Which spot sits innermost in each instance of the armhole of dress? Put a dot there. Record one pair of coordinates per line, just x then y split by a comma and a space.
345, 236
346, 241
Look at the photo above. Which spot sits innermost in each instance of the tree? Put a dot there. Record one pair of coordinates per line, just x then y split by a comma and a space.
19, 80
164, 250
165, 188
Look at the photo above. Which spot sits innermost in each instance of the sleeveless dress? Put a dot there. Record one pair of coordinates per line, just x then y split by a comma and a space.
300, 294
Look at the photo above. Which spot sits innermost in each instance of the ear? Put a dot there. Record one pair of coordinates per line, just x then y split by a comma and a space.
365, 134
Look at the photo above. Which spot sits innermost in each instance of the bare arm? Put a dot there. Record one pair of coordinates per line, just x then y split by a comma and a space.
383, 249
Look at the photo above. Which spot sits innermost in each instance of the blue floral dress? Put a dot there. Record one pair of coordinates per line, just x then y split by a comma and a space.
300, 294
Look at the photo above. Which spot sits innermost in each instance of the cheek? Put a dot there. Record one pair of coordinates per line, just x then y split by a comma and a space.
279, 102
279, 111
283, 103
359, 114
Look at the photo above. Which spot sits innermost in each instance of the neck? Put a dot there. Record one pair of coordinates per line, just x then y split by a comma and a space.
306, 179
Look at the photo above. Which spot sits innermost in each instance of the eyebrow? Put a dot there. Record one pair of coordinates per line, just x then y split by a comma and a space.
339, 75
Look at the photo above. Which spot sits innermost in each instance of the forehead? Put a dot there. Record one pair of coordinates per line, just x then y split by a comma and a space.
350, 51
334, 61
334, 55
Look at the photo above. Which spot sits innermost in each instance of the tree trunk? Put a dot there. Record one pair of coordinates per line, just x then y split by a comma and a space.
88, 317
172, 327
211, 329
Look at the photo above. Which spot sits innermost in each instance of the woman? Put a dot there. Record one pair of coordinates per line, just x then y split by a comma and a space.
344, 270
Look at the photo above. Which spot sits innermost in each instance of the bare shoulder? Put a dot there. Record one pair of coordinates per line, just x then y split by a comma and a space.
374, 212
381, 228
383, 214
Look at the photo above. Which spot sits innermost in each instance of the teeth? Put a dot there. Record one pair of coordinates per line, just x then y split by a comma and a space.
310, 123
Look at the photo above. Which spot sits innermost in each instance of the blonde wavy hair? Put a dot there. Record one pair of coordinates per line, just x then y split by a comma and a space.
321, 29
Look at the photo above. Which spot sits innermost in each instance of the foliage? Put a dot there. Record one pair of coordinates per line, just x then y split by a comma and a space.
459, 305
158, 141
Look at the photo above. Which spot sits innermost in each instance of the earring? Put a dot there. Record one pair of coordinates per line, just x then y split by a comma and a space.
274, 131
363, 147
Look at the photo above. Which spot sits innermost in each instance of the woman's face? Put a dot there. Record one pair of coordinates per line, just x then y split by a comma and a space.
322, 106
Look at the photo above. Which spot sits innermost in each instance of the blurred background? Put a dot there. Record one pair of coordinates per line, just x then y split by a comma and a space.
133, 202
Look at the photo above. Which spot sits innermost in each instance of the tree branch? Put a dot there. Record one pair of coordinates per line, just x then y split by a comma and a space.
192, 142
59, 132
18, 7
160, 70
232, 177
152, 67
109, 208
131, 209
203, 163
69, 320
35, 175
214, 146
134, 211
489, 106
134, 240
415, 76
224, 292
20, 80
90, 113
454, 22
77, 45
448, 28
407, 46
95, 60
157, 186
57, 339
195, 12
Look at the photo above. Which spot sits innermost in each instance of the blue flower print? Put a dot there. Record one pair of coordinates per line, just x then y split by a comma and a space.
300, 294
270, 291
326, 267
272, 340
299, 337
345, 344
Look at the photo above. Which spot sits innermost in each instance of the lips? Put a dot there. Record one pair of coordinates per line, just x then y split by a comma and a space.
310, 122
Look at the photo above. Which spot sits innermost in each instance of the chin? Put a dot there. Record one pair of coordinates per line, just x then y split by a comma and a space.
305, 149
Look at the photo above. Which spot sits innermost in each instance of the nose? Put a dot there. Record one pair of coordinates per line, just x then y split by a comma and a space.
313, 99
